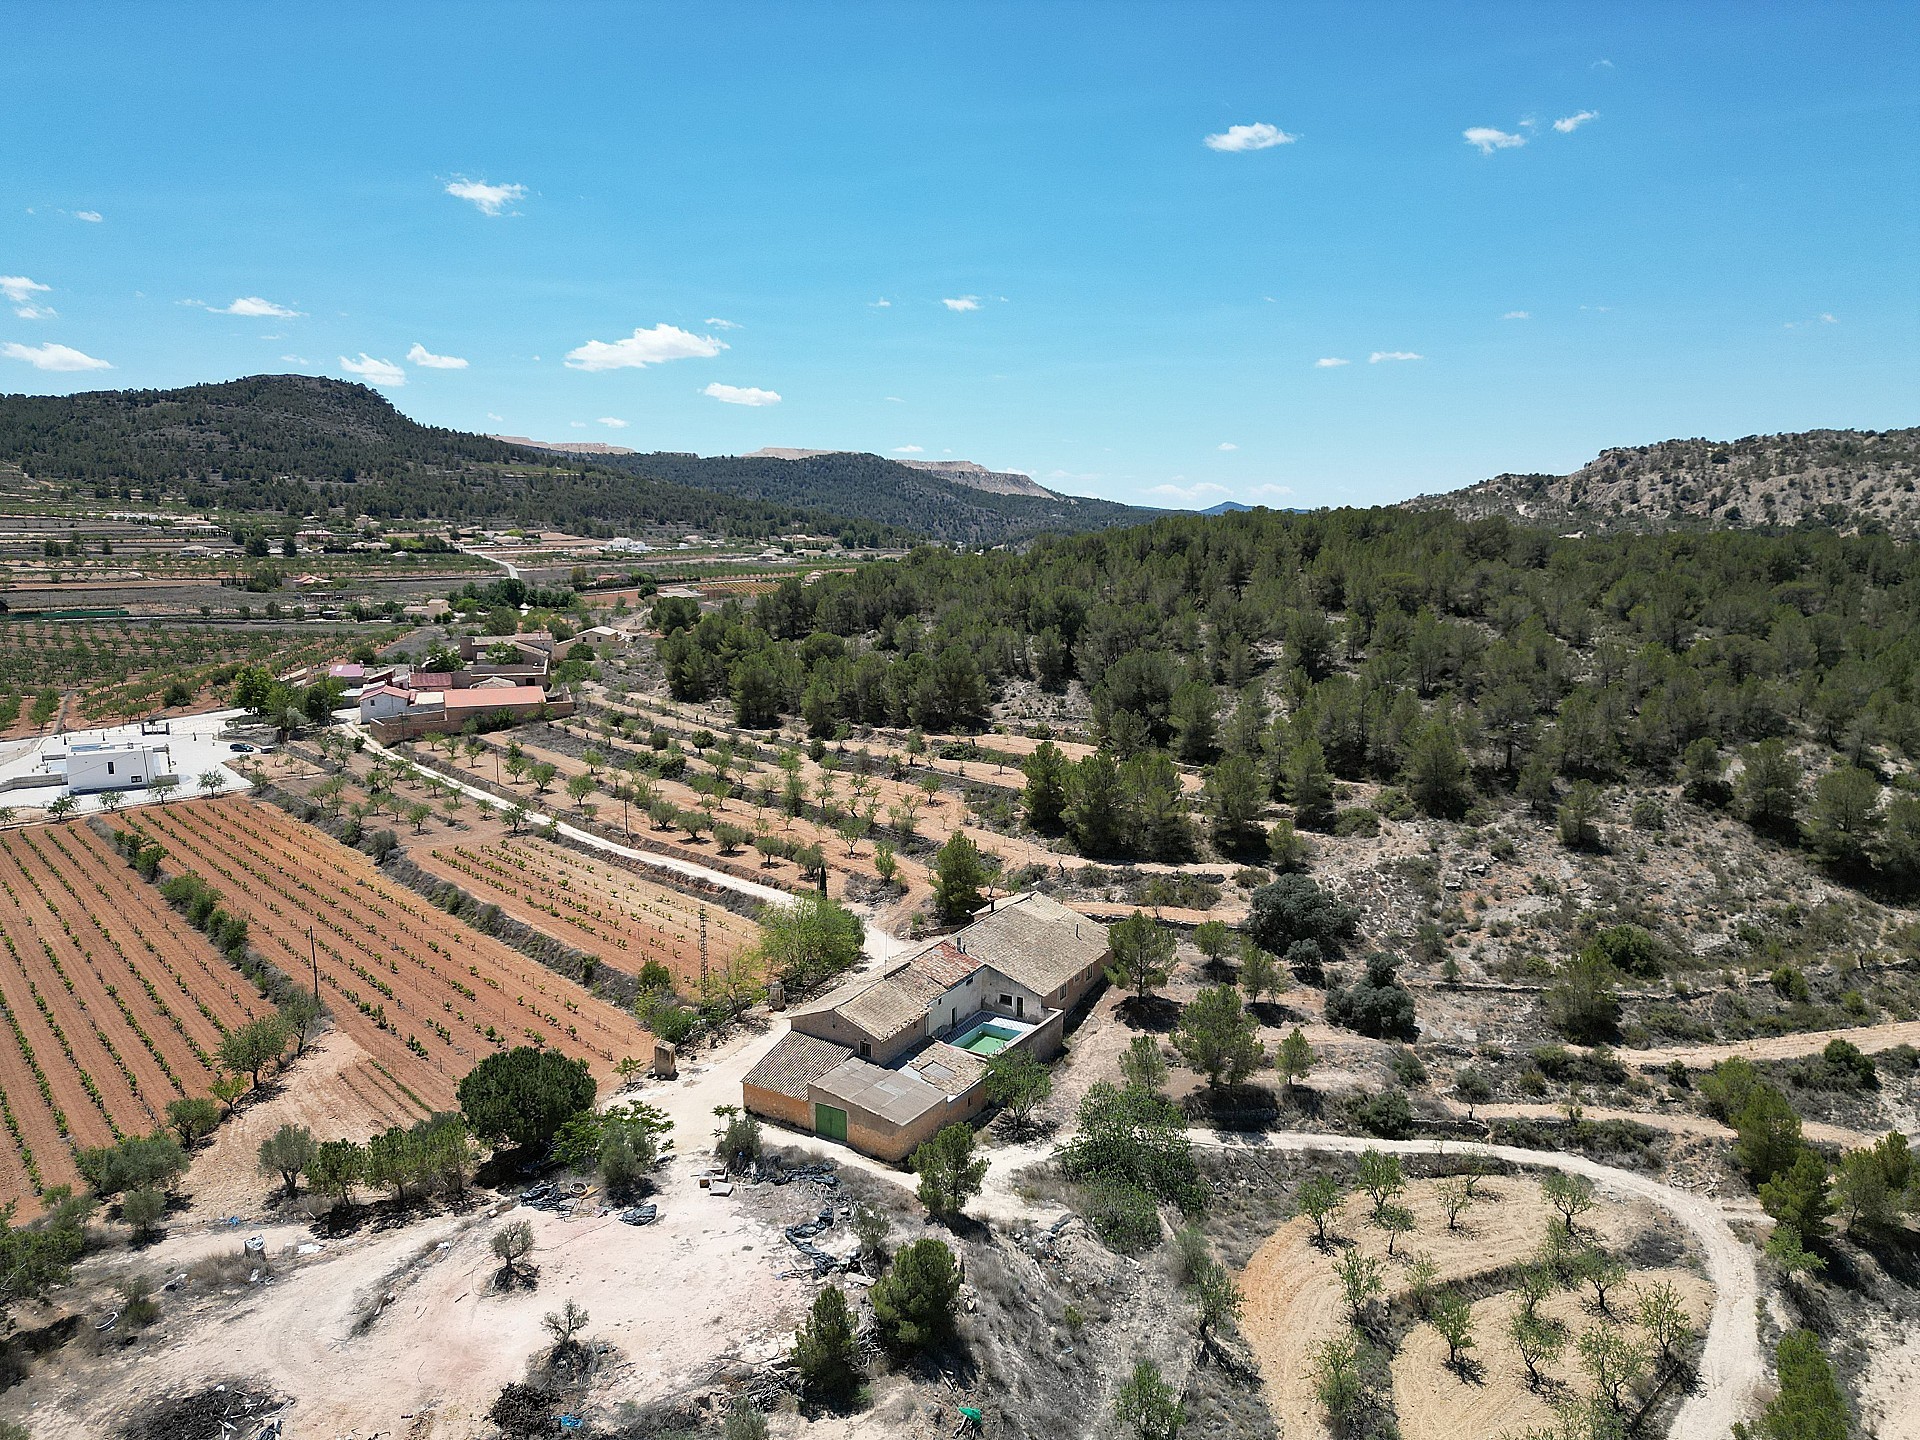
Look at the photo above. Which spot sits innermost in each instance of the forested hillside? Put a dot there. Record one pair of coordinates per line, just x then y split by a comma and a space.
887, 493
1848, 479
297, 444
1454, 662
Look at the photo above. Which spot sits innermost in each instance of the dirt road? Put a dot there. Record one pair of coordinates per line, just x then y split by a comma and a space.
1869, 1038
1732, 1365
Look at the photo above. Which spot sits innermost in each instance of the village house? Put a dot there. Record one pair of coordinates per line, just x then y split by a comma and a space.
884, 1062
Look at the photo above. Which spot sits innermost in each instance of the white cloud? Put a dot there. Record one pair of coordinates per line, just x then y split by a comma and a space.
1826, 318
426, 359
53, 357
1516, 315
1601, 65
252, 307
644, 347
1567, 124
1377, 356
881, 304
35, 312
20, 290
497, 419
92, 217
1330, 362
1227, 445
907, 450
720, 324
1262, 136
374, 372
299, 360
1206, 489
741, 394
962, 303
613, 422
1488, 139
492, 199
577, 424
894, 400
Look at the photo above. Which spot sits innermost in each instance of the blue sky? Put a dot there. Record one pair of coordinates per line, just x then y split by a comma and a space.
990, 232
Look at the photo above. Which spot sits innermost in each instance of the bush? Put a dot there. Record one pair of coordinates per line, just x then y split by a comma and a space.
949, 1175
1357, 823
824, 1350
143, 1210
1135, 1138
1377, 1004
524, 1096
738, 1145
140, 1162
915, 1301
1388, 1114
1124, 1216
1294, 909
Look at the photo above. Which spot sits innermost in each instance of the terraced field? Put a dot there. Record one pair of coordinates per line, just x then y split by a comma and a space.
423, 996
597, 906
112, 1004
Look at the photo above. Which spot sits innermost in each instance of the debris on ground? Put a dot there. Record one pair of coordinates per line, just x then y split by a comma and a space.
230, 1411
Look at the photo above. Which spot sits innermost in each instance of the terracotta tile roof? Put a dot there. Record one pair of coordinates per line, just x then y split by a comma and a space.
904, 995
946, 1067
795, 1063
1035, 940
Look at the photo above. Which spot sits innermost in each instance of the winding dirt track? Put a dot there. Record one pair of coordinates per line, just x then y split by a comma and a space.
1731, 1365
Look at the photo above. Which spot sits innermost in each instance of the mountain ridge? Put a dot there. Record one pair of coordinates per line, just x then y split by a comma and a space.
302, 444
1848, 479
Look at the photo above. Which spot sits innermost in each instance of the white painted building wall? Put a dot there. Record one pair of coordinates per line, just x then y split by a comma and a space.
113, 768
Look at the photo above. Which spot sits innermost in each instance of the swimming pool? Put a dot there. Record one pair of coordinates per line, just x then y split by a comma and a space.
987, 1038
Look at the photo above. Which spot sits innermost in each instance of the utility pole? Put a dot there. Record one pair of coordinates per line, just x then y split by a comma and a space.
314, 952
703, 950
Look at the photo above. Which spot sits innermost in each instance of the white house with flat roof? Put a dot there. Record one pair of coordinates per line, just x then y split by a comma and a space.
94, 768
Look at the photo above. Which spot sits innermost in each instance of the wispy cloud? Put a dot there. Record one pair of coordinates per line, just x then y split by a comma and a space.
1260, 136
644, 347
1377, 356
741, 394
717, 323
491, 199
1330, 362
962, 303
613, 422
299, 360
53, 357
1567, 124
1192, 494
20, 291
374, 372
1601, 65
92, 217
427, 360
881, 304
1226, 445
907, 450
252, 307
893, 400
1486, 139
1517, 315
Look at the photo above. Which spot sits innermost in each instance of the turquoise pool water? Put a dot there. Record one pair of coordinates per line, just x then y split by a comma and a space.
986, 1038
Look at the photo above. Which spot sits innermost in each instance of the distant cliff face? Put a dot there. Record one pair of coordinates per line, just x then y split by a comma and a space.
566, 447
960, 472
1849, 479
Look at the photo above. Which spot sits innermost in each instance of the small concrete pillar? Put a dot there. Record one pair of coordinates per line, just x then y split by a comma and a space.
666, 1061
777, 995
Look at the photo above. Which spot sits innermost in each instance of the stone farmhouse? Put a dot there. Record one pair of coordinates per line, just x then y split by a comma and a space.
883, 1062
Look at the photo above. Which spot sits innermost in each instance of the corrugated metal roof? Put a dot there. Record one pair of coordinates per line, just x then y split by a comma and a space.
795, 1063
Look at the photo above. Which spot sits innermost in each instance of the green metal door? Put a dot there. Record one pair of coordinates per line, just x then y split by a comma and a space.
829, 1122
